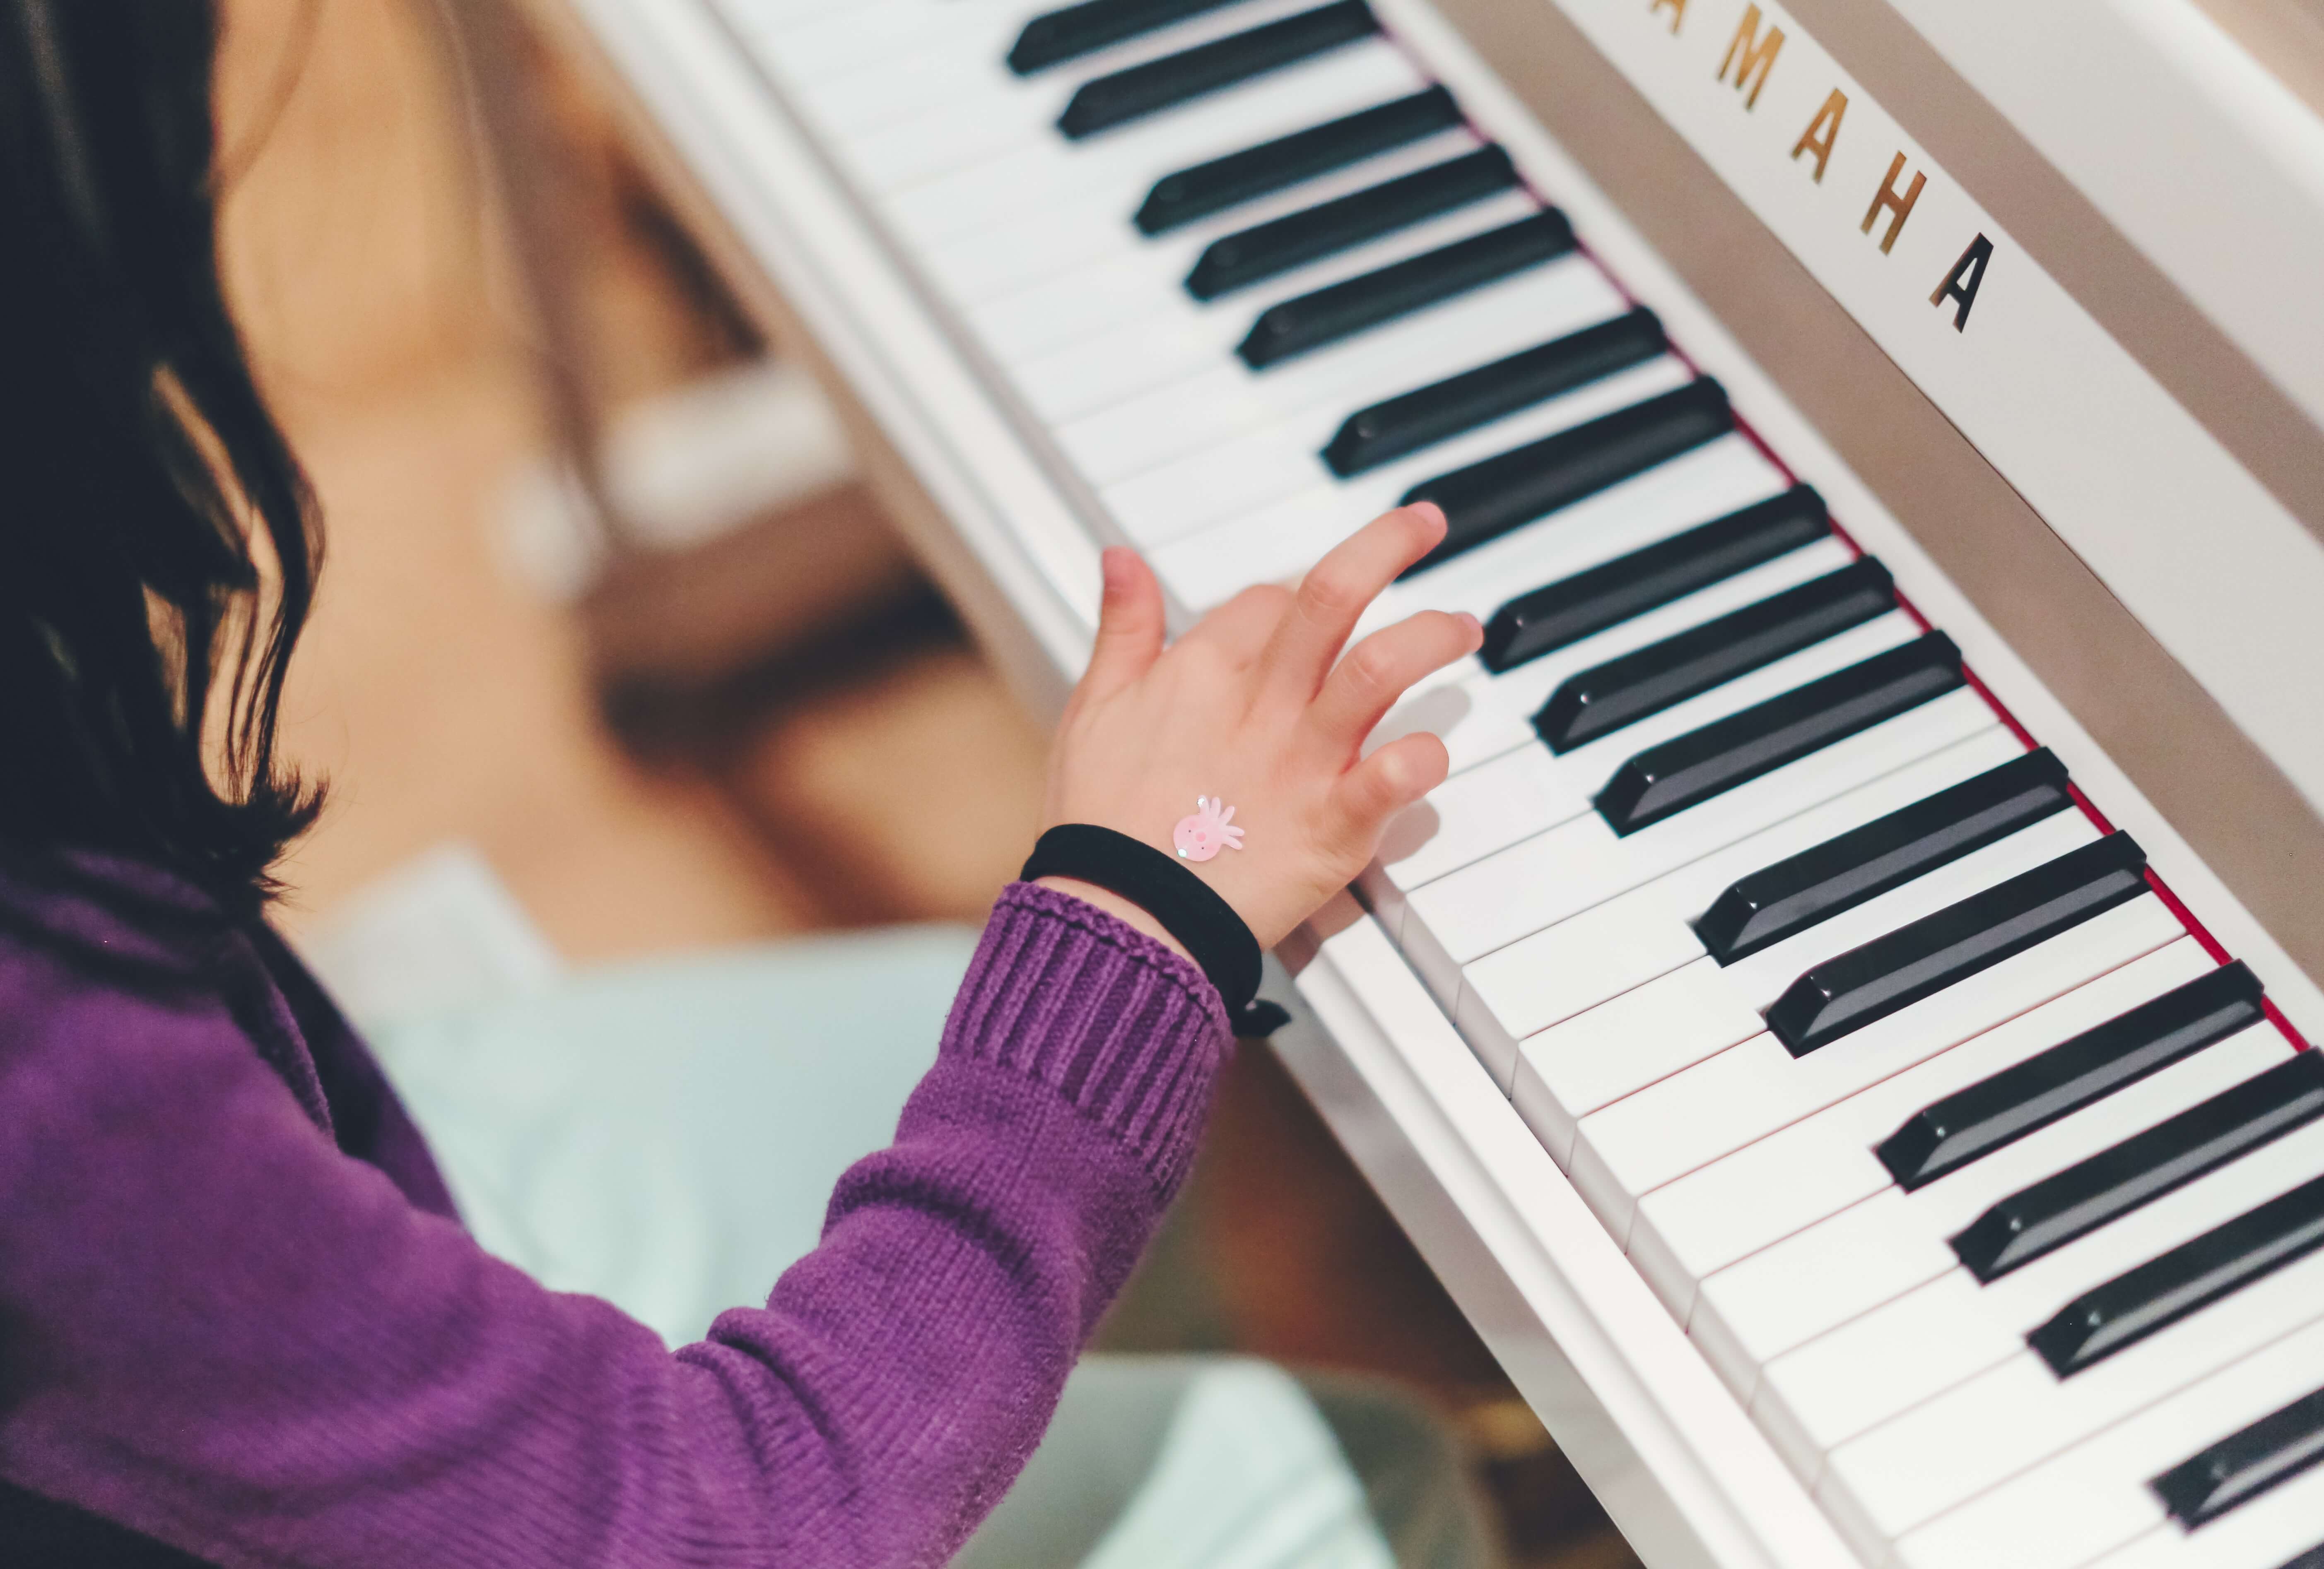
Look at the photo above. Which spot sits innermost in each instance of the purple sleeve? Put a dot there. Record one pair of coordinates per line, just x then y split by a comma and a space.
217, 1330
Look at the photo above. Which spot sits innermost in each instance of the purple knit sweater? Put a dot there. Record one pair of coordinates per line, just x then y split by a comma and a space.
237, 1317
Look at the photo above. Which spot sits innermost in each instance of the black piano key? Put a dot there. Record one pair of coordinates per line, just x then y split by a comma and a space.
1621, 692
1263, 251
1343, 309
1839, 873
1078, 30
2243, 1465
1588, 602
1139, 90
2311, 1559
2170, 1154
2018, 1101
1486, 500
1182, 196
1843, 994
1695, 766
2190, 1277
1372, 436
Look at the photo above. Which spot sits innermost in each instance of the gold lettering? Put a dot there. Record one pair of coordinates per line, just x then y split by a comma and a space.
1823, 132
1900, 207
1961, 284
1755, 55
1677, 8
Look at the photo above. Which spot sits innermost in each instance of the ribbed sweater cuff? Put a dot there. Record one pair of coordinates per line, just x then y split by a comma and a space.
1128, 1031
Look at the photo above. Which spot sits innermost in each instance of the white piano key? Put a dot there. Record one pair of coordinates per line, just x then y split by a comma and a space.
1592, 765
1149, 352
1057, 274
2094, 1497
1213, 405
1950, 1202
873, 36
1265, 467
1748, 1091
966, 67
1204, 571
1766, 1316
2169, 1547
965, 57
1476, 910
1498, 901
2274, 1531
999, 111
1540, 980
1611, 952
1731, 1209
1039, 284
1184, 336
1595, 1058
1465, 818
1476, 721
747, 15
1113, 172
1762, 976
1715, 479
1839, 1386
1829, 1390
861, 101
1474, 329
2166, 1548
946, 137
963, 131
1931, 1337
2029, 1296
1533, 984
1241, 476
1929, 735
1630, 1153
1520, 693
1491, 714
1761, 1313
2007, 1420
1212, 567
1364, 497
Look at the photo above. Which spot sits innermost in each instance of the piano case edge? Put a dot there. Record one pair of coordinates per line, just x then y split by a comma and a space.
1672, 1455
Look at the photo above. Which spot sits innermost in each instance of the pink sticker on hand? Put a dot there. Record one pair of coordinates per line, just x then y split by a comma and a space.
1209, 831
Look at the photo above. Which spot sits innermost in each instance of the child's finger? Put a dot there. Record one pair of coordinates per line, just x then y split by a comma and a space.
1129, 625
1334, 594
1384, 783
1376, 672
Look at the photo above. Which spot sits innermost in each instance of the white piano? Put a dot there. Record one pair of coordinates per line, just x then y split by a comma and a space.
1839, 1032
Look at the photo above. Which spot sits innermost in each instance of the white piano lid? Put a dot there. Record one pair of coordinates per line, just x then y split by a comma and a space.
2206, 159
2184, 532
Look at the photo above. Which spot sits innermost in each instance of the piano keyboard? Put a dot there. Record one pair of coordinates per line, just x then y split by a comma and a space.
1986, 1181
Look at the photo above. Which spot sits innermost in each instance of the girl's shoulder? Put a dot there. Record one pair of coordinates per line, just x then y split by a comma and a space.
111, 917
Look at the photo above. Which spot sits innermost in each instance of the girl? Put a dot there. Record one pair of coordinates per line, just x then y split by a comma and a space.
239, 1321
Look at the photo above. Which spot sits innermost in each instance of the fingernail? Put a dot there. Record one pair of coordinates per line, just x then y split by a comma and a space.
1110, 567
1430, 510
1476, 628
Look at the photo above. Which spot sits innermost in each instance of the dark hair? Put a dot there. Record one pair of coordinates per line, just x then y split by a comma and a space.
157, 537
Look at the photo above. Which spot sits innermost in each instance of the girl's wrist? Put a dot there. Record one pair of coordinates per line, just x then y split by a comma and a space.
1128, 913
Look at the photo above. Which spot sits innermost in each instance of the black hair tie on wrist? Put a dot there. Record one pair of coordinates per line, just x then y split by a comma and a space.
1189, 909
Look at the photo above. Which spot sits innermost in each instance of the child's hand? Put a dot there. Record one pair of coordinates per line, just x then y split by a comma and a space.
1250, 707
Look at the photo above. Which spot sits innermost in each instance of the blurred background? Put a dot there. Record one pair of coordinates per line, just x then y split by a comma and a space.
750, 718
